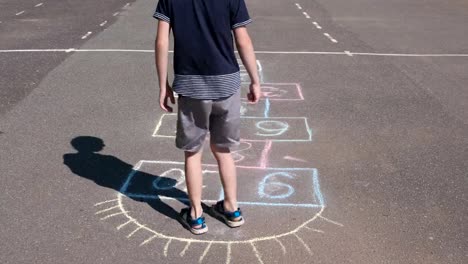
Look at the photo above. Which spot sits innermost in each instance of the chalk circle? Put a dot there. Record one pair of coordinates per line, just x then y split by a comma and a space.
271, 128
163, 183
209, 239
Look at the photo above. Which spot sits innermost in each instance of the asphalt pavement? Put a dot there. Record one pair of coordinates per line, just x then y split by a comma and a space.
358, 152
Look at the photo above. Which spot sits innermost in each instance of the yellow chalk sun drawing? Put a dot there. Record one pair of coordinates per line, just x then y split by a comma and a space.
117, 208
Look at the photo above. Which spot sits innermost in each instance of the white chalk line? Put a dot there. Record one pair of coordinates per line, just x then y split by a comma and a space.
257, 254
112, 215
331, 221
108, 201
148, 240
107, 209
134, 231
228, 254
124, 224
182, 253
313, 229
304, 244
166, 247
283, 248
200, 260
347, 53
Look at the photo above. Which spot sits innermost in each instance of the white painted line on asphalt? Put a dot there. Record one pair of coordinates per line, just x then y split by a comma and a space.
116, 13
103, 23
299, 6
317, 25
70, 50
38, 5
126, 5
348, 53
330, 38
306, 15
411, 54
86, 35
19, 13
257, 52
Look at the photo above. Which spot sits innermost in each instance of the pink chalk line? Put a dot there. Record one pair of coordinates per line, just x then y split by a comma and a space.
295, 159
265, 154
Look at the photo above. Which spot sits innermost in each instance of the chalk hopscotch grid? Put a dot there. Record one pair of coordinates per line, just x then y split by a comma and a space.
306, 124
115, 208
314, 174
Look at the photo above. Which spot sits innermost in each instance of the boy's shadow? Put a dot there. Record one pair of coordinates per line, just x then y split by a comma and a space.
111, 172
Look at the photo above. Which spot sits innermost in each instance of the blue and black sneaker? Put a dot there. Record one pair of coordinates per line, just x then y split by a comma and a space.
196, 226
232, 219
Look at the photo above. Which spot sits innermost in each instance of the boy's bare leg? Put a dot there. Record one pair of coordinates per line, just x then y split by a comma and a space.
227, 171
194, 180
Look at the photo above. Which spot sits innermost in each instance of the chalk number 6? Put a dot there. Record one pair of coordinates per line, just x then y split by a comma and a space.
268, 184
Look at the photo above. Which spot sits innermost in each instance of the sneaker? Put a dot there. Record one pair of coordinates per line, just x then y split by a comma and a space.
186, 220
232, 219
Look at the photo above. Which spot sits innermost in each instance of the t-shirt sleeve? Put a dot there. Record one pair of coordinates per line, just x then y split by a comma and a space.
163, 11
239, 14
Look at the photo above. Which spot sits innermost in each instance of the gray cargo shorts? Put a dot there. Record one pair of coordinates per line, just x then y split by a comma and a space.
195, 118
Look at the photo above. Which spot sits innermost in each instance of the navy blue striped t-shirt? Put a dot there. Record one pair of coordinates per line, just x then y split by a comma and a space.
205, 66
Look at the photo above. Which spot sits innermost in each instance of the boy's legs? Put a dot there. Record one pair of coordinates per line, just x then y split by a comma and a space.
194, 181
227, 171
225, 133
192, 128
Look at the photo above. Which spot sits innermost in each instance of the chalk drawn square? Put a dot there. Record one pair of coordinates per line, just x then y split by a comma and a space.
277, 91
289, 187
166, 180
275, 129
253, 128
296, 187
258, 109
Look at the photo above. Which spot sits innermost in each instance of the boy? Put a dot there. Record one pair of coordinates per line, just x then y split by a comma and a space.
207, 80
